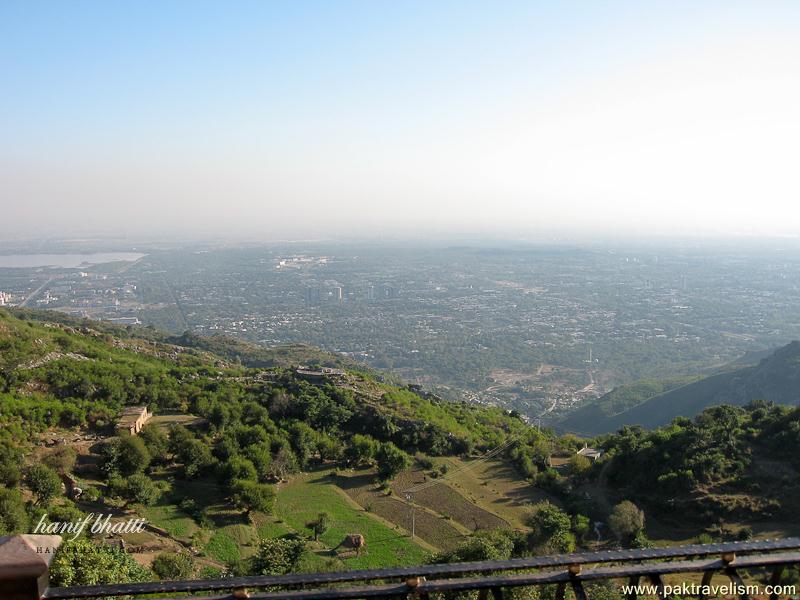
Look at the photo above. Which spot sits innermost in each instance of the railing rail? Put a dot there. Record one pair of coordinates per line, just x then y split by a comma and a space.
443, 570
488, 577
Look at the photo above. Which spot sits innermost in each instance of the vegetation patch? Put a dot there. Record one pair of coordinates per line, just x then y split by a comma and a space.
305, 496
223, 548
170, 518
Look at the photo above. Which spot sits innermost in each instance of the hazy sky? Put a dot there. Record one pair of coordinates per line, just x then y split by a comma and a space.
292, 119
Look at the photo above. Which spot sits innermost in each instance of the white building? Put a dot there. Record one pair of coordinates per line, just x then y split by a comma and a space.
590, 453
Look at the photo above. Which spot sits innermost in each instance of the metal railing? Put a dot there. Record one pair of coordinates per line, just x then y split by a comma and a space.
568, 571
491, 576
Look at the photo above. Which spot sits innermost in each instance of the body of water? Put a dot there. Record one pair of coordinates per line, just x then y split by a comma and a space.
65, 261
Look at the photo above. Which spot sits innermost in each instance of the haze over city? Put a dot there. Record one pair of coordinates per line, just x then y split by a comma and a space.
282, 121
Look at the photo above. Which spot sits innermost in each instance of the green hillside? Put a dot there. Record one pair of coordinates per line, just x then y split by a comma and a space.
654, 403
729, 464
221, 346
592, 417
243, 467
224, 463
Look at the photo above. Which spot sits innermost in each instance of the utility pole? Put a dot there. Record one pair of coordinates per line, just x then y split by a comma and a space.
413, 517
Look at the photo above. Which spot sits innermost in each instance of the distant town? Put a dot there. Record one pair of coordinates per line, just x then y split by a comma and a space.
536, 329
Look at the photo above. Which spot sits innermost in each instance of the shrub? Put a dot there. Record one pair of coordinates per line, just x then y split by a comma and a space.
61, 459
13, 518
44, 482
626, 521
173, 565
391, 460
80, 562
251, 495
551, 529
279, 556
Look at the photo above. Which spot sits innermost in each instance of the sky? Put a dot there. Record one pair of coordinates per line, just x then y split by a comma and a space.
292, 120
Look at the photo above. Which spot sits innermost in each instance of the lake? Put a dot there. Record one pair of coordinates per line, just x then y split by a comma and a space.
64, 261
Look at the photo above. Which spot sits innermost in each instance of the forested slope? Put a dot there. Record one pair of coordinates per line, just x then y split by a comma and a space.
775, 378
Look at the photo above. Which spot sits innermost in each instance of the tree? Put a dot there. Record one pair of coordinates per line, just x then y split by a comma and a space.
550, 529
485, 545
179, 437
329, 448
10, 460
319, 525
278, 556
64, 512
284, 463
626, 521
251, 495
80, 562
362, 450
141, 489
304, 442
155, 440
13, 518
196, 458
238, 467
173, 566
581, 525
261, 457
133, 455
579, 466
391, 460
44, 482
61, 459
219, 415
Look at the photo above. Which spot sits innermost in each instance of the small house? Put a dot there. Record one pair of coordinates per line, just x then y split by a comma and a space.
590, 453
133, 419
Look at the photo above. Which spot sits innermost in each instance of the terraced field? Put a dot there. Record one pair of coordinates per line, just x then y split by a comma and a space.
308, 494
484, 496
447, 501
439, 532
474, 496
493, 487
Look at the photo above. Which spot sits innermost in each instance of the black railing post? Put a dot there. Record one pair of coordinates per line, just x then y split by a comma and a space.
705, 583
775, 579
656, 580
633, 581
24, 565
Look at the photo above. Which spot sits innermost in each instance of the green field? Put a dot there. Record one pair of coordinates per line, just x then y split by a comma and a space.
309, 494
169, 517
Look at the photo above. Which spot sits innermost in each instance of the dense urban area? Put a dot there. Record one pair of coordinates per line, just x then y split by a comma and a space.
537, 328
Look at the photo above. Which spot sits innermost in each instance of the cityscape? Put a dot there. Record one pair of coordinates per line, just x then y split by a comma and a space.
539, 329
